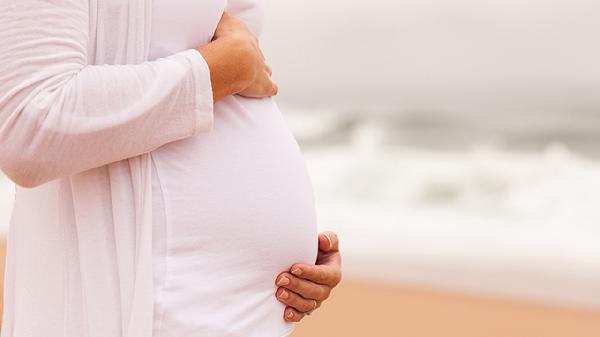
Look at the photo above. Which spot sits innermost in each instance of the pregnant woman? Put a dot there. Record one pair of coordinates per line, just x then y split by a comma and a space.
161, 194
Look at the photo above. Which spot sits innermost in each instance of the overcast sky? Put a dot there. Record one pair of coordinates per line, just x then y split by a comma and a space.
436, 52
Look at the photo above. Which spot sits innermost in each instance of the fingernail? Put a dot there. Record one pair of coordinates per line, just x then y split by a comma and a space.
328, 239
283, 281
290, 314
283, 294
297, 271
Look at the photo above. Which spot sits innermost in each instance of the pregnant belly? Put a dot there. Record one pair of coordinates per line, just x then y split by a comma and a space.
238, 210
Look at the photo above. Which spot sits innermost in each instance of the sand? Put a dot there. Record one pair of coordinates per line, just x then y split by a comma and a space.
362, 309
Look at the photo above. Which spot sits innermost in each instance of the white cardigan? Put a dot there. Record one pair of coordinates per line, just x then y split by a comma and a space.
77, 97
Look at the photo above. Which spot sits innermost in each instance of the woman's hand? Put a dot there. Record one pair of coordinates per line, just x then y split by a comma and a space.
305, 287
261, 84
237, 65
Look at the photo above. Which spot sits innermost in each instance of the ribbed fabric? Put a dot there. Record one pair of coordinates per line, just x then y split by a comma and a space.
77, 98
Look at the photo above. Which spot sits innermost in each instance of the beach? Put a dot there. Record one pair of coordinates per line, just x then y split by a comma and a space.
441, 244
361, 309
453, 147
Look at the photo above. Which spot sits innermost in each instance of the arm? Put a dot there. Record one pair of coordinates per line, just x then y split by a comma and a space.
59, 115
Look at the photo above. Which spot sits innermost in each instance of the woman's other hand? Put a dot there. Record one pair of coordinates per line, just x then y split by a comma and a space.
304, 288
237, 65
261, 85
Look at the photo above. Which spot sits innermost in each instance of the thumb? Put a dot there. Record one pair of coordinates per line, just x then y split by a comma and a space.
328, 242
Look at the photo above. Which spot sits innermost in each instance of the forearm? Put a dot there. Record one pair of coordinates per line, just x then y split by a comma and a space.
99, 115
60, 114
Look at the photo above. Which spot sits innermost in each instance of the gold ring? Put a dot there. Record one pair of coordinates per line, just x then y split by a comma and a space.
313, 309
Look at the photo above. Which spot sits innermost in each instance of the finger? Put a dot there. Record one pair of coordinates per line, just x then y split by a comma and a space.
225, 16
328, 242
269, 70
321, 274
295, 301
270, 88
292, 315
304, 288
262, 55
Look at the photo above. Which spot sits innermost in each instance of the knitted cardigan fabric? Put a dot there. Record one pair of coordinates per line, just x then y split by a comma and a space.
80, 109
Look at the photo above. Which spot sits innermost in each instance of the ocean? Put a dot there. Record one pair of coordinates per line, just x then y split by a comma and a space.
500, 221
454, 144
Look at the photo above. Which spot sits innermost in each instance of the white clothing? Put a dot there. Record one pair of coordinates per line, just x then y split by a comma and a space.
233, 208
77, 98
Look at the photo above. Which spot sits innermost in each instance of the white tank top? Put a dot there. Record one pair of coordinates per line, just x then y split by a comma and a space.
232, 208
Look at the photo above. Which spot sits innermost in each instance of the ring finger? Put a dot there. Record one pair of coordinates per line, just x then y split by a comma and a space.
296, 301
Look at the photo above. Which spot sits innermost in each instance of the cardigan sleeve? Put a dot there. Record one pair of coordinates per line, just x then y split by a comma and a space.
60, 115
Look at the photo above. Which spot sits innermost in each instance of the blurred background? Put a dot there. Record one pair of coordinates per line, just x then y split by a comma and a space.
455, 148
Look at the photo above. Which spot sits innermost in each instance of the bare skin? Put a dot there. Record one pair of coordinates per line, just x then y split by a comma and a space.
236, 63
305, 287
237, 66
